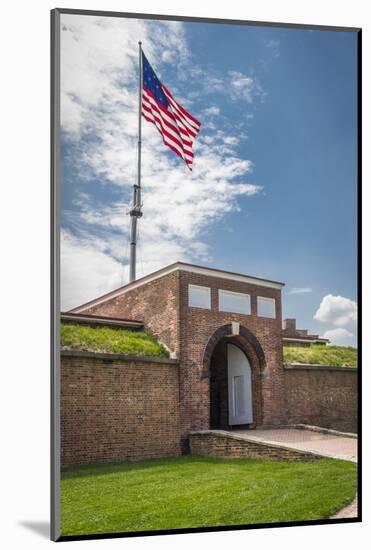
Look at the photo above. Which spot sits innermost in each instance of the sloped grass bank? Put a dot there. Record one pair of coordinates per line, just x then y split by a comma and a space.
189, 492
336, 356
110, 340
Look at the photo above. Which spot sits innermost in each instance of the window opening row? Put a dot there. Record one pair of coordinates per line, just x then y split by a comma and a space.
231, 302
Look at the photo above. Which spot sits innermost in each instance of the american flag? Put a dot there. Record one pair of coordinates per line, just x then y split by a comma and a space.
177, 127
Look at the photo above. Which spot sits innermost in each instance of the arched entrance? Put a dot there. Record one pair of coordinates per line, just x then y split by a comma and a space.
235, 364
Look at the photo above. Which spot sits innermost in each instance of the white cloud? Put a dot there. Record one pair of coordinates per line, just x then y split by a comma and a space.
214, 84
245, 87
87, 271
274, 46
99, 100
99, 63
237, 85
340, 337
337, 310
242, 85
300, 290
212, 111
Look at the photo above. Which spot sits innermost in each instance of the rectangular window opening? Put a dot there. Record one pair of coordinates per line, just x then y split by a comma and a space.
266, 307
199, 296
234, 302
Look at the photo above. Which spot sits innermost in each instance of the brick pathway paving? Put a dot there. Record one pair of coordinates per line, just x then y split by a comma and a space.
326, 444
331, 445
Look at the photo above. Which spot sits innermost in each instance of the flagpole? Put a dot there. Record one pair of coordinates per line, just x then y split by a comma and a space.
136, 211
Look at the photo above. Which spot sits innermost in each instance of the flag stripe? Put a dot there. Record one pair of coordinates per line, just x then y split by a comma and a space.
167, 120
154, 117
177, 127
169, 116
169, 140
165, 115
186, 121
194, 120
169, 129
183, 125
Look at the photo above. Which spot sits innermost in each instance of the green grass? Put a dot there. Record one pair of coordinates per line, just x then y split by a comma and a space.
191, 492
110, 340
336, 356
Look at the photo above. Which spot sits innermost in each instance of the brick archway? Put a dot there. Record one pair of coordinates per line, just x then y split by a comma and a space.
244, 335
214, 361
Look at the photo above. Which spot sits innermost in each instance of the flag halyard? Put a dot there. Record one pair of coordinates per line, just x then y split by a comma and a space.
177, 127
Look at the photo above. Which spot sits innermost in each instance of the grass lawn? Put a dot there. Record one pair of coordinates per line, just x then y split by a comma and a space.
337, 356
191, 492
110, 340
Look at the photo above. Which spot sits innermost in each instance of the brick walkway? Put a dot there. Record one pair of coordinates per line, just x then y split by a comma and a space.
326, 444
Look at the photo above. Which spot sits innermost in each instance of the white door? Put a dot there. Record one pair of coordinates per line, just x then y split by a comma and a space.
239, 387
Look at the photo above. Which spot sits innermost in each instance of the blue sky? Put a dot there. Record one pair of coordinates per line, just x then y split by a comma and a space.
273, 191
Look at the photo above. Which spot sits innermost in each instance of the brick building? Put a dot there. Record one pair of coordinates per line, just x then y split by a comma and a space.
292, 336
224, 328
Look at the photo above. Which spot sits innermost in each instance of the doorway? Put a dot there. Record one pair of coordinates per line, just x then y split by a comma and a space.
239, 387
231, 399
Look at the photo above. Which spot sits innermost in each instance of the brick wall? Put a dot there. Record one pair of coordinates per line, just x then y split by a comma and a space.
118, 408
155, 303
163, 306
197, 326
322, 396
226, 445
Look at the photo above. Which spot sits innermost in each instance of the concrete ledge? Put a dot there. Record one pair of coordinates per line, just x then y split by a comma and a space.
223, 444
305, 366
118, 357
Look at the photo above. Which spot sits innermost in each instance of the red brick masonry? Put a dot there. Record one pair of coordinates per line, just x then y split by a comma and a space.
227, 445
127, 408
322, 396
117, 408
162, 304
